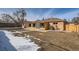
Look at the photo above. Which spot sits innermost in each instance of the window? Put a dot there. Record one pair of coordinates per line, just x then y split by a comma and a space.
55, 23
42, 24
33, 25
29, 25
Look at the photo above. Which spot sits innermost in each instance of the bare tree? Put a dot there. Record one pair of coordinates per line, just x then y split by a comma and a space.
75, 20
18, 16
6, 18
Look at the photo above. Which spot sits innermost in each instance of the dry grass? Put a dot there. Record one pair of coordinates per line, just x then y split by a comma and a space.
56, 41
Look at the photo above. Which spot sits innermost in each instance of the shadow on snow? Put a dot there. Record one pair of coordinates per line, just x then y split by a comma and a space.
5, 44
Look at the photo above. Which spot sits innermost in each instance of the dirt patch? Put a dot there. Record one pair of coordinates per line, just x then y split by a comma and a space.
53, 41
56, 41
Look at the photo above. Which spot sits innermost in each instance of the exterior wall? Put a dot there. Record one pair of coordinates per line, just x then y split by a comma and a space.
46, 26
25, 25
52, 24
37, 25
57, 25
61, 25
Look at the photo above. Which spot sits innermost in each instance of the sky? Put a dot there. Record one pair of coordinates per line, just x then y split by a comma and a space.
40, 13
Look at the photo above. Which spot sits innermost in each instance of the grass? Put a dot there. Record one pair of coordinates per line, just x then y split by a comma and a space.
53, 41
56, 41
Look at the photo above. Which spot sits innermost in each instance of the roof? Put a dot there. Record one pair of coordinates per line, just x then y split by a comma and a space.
53, 19
47, 20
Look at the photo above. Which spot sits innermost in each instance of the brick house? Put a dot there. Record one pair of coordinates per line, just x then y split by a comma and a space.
47, 24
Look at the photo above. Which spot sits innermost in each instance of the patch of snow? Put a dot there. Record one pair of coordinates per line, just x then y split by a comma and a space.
28, 36
9, 42
17, 32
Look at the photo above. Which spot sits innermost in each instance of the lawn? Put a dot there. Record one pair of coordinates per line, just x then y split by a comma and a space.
56, 41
